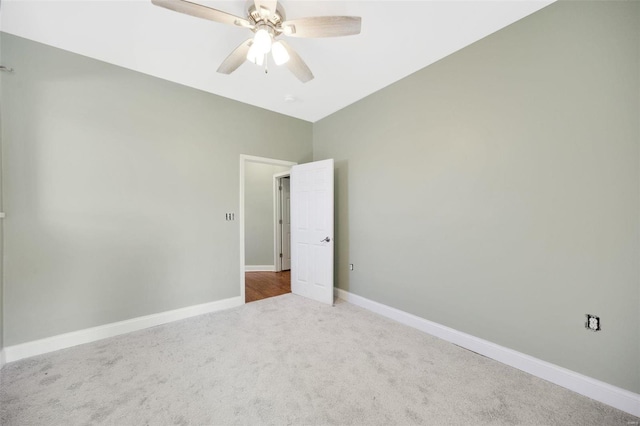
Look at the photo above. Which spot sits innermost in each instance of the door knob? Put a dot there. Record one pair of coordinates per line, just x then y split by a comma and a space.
326, 240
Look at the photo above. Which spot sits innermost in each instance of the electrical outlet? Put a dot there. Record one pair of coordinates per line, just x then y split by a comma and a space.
593, 323
351, 266
230, 216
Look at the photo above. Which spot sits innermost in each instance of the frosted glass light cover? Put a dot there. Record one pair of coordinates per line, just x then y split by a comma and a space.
262, 41
255, 56
280, 54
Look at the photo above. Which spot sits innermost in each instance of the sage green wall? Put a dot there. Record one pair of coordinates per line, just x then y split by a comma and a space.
116, 186
1, 231
497, 191
258, 212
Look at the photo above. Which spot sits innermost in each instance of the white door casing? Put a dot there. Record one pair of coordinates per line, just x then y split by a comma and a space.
286, 224
278, 178
312, 230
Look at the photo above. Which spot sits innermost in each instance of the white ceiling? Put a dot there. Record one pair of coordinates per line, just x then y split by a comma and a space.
397, 39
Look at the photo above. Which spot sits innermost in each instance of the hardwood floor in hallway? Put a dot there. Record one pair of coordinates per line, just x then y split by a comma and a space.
261, 285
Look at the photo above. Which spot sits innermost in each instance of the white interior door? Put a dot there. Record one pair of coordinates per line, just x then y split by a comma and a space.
286, 224
312, 230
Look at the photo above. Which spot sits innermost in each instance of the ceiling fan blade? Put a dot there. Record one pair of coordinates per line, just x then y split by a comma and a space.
200, 11
323, 26
236, 58
269, 5
296, 65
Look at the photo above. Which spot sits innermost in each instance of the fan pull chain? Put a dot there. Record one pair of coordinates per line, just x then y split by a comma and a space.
266, 64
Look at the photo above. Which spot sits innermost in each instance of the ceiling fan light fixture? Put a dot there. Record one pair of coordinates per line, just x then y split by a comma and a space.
280, 54
267, 20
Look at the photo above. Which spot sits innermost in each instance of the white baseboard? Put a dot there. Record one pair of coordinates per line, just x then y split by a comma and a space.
595, 389
67, 340
259, 268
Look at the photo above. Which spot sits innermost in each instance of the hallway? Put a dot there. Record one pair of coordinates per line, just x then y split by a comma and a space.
261, 285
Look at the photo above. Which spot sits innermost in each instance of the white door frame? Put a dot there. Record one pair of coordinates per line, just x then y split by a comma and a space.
244, 159
277, 203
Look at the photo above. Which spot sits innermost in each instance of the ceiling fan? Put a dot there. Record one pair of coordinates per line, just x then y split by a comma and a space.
267, 20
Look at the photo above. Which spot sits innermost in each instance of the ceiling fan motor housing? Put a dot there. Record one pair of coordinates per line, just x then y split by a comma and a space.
273, 21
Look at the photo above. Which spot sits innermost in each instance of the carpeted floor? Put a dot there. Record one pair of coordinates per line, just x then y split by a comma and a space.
284, 360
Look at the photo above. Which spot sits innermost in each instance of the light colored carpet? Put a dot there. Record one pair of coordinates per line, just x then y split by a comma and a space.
284, 360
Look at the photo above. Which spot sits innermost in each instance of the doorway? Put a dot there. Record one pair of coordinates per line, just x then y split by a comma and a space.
263, 273
260, 283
